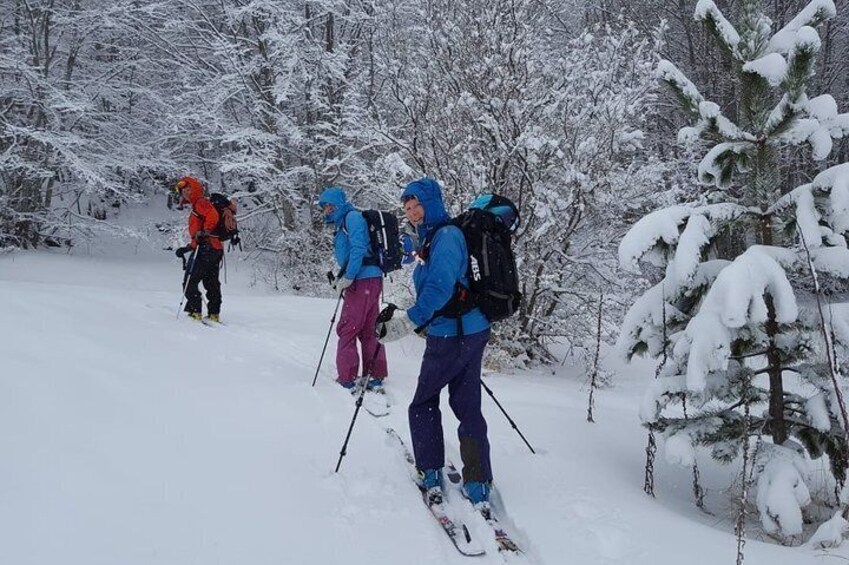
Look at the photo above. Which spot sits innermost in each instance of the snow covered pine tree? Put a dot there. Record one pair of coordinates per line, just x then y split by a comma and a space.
746, 348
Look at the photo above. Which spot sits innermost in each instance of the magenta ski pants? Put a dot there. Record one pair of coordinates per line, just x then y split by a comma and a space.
357, 323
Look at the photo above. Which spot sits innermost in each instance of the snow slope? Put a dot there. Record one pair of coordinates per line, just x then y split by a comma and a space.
130, 437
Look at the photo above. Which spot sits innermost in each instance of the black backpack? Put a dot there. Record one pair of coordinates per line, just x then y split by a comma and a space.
384, 240
493, 278
227, 228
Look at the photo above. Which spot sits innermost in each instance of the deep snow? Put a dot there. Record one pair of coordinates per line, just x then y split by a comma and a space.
131, 437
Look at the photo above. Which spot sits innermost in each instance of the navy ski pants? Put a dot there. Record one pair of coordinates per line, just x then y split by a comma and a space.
454, 361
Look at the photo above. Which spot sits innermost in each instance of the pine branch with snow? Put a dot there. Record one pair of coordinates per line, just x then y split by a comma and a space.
743, 337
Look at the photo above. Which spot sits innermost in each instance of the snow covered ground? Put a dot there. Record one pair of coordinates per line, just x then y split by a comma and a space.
130, 437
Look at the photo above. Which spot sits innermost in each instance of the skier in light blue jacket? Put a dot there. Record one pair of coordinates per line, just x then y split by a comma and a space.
361, 282
456, 339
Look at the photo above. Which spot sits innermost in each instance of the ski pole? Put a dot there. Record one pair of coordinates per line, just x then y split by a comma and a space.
363, 386
509, 419
330, 329
223, 264
188, 276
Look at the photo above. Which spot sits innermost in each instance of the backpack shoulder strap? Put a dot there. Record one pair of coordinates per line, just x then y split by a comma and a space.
428, 241
343, 227
461, 302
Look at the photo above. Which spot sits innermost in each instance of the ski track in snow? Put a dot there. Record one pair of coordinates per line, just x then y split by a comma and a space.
133, 437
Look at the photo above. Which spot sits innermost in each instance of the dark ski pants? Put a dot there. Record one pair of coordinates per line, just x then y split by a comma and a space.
207, 263
456, 362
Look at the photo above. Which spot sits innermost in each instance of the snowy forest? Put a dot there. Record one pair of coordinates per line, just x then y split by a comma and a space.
681, 169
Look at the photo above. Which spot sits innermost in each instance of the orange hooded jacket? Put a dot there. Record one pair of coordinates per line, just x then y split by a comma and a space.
204, 216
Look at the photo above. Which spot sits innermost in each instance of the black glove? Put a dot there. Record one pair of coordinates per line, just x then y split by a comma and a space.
393, 323
331, 278
386, 314
202, 237
182, 251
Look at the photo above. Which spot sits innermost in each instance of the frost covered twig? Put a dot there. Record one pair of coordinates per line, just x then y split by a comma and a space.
594, 378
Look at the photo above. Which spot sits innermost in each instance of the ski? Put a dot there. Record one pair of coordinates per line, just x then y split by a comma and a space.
505, 543
458, 533
376, 403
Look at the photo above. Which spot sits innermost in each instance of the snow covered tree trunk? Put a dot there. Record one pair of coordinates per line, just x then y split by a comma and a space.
776, 425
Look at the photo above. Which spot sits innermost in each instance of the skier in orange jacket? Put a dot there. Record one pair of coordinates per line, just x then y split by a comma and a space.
206, 261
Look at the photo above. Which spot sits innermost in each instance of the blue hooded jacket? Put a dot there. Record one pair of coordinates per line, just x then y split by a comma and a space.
448, 260
351, 243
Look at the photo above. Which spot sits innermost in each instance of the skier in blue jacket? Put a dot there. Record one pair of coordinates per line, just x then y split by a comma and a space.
454, 349
361, 282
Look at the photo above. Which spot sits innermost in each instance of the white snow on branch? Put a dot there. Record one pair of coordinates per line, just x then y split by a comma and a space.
813, 130
710, 169
666, 70
688, 135
807, 38
785, 39
782, 492
706, 9
801, 131
735, 299
771, 67
823, 107
642, 320
832, 260
660, 225
838, 321
688, 253
830, 176
710, 112
821, 143
723, 212
807, 217
835, 180
838, 212
679, 450
782, 111
830, 533
787, 258
657, 396
817, 411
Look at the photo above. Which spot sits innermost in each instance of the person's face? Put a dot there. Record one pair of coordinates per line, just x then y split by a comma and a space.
327, 209
414, 211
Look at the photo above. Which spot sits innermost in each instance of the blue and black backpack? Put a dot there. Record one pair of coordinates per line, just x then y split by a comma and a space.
384, 240
487, 226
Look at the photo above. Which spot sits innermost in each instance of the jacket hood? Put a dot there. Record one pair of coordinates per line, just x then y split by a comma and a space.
427, 191
195, 189
335, 196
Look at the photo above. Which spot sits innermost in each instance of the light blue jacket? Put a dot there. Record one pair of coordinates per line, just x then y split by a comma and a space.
446, 264
351, 242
